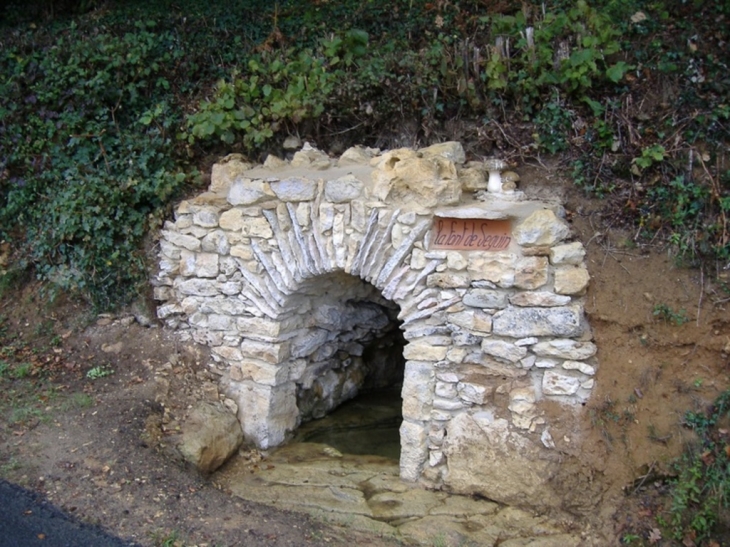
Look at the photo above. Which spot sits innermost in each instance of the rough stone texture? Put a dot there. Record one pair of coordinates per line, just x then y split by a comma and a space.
296, 277
514, 474
210, 436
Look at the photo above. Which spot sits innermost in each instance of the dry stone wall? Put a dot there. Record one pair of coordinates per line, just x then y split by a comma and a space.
295, 272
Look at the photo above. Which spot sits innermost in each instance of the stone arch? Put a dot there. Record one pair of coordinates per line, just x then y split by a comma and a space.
277, 265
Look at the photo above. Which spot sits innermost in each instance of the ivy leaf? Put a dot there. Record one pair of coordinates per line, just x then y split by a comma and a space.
617, 71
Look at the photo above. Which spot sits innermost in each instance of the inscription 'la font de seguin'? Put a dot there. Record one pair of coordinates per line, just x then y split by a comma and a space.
471, 234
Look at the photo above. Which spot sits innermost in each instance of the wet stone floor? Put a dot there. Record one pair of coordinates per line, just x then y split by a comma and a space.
343, 469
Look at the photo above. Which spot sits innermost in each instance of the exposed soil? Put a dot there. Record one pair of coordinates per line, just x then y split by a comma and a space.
99, 447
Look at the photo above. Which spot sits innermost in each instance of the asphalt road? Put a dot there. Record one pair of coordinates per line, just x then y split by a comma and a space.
26, 520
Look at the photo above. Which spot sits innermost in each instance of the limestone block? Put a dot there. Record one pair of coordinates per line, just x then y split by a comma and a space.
546, 363
423, 351
357, 155
261, 326
206, 217
242, 251
572, 280
393, 181
168, 250
585, 368
452, 151
531, 272
256, 227
220, 322
188, 242
246, 191
312, 158
197, 287
493, 367
565, 349
303, 214
308, 341
343, 189
473, 393
358, 215
569, 253
472, 179
228, 353
413, 451
266, 351
456, 355
326, 216
210, 435
418, 259
497, 268
448, 280
417, 392
231, 220
541, 228
260, 372
226, 171
515, 473
206, 265
503, 350
539, 299
408, 218
473, 320
446, 390
294, 189
273, 162
522, 322
485, 299
555, 383
216, 242
266, 413
447, 404
163, 312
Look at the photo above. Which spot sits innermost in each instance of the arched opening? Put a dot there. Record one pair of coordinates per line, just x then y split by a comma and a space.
348, 356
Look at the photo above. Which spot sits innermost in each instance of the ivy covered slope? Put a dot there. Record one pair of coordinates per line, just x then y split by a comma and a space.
106, 108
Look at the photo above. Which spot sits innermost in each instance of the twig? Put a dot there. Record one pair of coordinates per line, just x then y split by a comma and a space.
702, 292
643, 479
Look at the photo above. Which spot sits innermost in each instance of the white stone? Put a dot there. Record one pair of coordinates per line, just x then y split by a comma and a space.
343, 189
531, 272
472, 320
569, 253
571, 280
539, 299
294, 189
485, 299
448, 280
541, 228
245, 191
554, 383
181, 240
451, 150
522, 322
503, 350
497, 268
585, 368
414, 451
473, 393
565, 349
424, 351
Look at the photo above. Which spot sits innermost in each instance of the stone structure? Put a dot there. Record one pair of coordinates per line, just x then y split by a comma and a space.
302, 275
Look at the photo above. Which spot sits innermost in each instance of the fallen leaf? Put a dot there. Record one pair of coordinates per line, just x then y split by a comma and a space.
655, 535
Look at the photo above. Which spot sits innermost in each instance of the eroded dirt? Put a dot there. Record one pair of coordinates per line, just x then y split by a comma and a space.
99, 447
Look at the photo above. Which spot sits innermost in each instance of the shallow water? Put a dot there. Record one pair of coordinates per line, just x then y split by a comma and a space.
365, 425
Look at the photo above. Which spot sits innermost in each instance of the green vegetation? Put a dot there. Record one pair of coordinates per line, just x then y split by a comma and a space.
101, 371
106, 112
665, 313
700, 495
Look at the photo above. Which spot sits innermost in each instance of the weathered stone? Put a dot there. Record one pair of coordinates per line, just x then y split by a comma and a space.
473, 393
531, 272
554, 383
343, 189
307, 342
206, 217
521, 322
422, 350
414, 451
246, 191
266, 351
541, 228
181, 240
572, 280
436, 176
357, 155
226, 171
210, 436
585, 368
485, 299
515, 474
503, 350
448, 280
266, 413
569, 253
565, 349
539, 299
452, 151
473, 320
497, 268
216, 242
472, 179
417, 390
312, 158
294, 189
